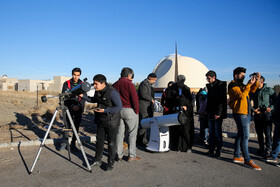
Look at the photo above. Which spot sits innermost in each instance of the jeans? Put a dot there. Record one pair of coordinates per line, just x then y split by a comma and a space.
129, 121
276, 140
215, 135
203, 128
111, 132
263, 126
242, 139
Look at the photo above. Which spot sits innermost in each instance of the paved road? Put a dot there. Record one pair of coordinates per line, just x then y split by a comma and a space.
156, 169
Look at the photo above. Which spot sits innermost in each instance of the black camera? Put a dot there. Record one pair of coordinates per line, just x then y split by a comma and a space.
262, 109
253, 74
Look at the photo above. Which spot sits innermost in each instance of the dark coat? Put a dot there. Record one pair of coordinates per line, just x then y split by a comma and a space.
217, 99
75, 100
109, 100
145, 94
181, 136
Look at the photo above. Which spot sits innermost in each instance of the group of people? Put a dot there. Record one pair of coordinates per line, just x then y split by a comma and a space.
120, 111
212, 109
117, 115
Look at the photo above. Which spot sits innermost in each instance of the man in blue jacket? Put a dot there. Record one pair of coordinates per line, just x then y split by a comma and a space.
107, 118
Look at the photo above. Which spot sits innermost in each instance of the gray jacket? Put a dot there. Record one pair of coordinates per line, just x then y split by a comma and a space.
145, 97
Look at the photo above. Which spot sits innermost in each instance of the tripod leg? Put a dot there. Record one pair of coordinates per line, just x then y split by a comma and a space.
66, 135
43, 142
78, 139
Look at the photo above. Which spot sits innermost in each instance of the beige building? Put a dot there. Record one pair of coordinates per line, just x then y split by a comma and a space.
170, 66
31, 85
8, 84
56, 85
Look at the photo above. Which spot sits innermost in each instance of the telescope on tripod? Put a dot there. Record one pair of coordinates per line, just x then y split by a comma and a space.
76, 91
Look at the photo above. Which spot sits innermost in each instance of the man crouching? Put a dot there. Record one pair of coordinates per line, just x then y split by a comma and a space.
107, 118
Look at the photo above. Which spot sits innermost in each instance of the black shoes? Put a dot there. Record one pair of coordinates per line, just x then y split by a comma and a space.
110, 166
73, 148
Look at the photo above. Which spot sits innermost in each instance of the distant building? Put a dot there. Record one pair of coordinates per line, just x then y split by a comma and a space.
170, 66
8, 84
56, 85
31, 85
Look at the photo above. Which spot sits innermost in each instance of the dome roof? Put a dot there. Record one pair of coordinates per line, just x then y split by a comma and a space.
193, 70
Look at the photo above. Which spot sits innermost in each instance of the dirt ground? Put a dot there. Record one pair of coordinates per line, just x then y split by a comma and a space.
22, 120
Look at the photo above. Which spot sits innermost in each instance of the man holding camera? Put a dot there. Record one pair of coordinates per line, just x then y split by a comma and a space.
240, 104
263, 99
107, 118
76, 107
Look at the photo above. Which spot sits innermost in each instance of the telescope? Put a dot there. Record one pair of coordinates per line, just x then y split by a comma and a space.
77, 90
159, 135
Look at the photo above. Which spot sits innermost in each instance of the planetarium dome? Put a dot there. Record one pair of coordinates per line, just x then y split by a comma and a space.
170, 66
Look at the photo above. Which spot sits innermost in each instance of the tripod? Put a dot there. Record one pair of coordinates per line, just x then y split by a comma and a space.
65, 111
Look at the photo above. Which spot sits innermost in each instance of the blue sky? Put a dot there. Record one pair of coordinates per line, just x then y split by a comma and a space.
40, 39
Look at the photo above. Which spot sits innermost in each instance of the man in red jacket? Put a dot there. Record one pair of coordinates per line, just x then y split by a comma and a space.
129, 114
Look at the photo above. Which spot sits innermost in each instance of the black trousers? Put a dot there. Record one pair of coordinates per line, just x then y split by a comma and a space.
102, 132
263, 125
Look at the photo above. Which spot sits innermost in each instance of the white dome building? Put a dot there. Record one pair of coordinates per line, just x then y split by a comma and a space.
167, 69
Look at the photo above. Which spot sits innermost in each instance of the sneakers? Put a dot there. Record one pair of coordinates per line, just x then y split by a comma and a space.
238, 159
131, 159
271, 159
252, 165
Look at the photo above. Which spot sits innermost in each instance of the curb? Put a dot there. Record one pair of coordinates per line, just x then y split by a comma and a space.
47, 142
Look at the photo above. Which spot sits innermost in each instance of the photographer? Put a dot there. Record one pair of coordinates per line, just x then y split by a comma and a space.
263, 99
239, 102
76, 107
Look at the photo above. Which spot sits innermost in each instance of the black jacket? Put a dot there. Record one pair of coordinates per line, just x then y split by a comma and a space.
108, 99
175, 101
217, 99
75, 100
